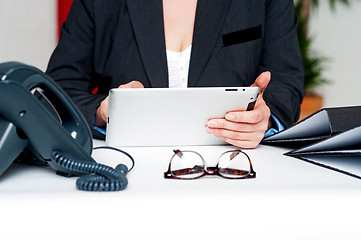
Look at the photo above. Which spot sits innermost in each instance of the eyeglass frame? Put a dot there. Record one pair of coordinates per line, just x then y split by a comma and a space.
214, 170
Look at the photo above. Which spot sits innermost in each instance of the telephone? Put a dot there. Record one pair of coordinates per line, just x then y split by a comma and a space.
60, 138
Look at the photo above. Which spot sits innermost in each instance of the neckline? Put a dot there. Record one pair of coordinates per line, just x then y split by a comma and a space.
185, 50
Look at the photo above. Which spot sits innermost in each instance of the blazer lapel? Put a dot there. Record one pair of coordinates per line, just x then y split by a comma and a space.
209, 20
147, 20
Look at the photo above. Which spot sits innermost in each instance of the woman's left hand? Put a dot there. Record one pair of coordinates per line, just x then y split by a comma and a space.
245, 129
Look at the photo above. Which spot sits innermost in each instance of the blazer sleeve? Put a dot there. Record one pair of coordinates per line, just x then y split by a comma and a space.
71, 64
281, 56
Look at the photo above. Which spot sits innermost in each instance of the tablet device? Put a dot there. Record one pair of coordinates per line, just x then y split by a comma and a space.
171, 116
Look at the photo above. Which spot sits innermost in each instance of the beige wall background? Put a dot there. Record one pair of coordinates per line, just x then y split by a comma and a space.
337, 36
27, 31
27, 34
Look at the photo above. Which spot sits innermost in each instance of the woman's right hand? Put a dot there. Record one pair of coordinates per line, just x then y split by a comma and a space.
101, 114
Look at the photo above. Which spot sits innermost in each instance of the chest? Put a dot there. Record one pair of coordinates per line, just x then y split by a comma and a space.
179, 19
138, 48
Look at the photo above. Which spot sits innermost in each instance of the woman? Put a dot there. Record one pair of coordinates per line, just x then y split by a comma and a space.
107, 44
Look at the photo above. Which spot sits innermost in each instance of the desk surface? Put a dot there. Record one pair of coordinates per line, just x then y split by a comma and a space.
289, 199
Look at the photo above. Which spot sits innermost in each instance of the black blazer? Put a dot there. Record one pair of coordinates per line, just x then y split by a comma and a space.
106, 43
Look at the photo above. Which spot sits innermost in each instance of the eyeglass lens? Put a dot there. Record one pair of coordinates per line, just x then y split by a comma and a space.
189, 164
234, 164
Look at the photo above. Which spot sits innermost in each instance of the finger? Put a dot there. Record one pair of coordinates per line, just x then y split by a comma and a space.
240, 143
132, 84
254, 116
258, 114
235, 135
225, 124
262, 81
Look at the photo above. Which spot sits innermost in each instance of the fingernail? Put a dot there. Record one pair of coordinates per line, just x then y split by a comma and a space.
212, 124
209, 130
269, 73
230, 117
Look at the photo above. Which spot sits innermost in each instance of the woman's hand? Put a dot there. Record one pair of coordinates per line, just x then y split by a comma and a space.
101, 114
245, 129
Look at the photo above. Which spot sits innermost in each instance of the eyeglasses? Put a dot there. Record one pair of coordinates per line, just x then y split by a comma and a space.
233, 164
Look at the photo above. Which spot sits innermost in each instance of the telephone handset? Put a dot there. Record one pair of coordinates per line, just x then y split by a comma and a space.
65, 144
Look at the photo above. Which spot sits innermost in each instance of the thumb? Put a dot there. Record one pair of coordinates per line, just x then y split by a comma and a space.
262, 81
132, 84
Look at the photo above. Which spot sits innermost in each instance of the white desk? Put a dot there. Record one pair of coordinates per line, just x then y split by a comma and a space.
289, 199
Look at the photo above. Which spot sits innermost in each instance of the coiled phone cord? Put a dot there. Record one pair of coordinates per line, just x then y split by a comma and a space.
104, 179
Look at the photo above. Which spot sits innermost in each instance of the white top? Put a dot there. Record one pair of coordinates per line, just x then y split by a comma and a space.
178, 66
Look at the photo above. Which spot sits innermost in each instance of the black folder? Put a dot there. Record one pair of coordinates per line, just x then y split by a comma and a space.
320, 125
340, 152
